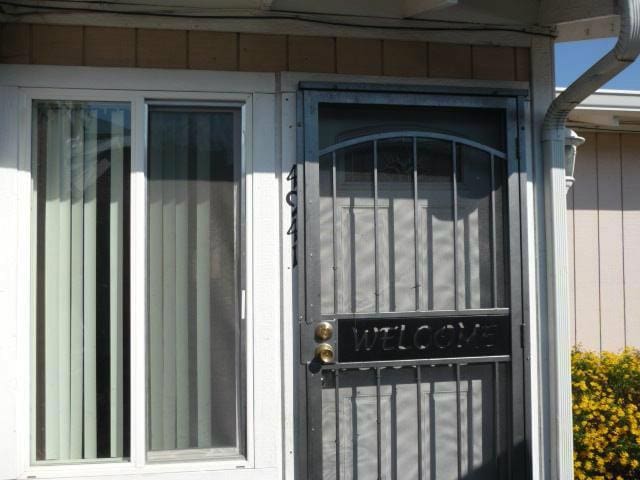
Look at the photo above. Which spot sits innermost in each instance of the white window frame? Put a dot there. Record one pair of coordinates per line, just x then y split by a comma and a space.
256, 95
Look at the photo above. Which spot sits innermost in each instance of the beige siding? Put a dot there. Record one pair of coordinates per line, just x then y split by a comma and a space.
493, 63
570, 240
359, 56
604, 235
631, 235
312, 54
448, 60
587, 268
57, 44
110, 47
158, 48
213, 50
161, 48
612, 331
405, 59
262, 53
15, 43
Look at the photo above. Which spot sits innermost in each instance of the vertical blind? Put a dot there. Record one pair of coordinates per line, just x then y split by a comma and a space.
81, 161
193, 280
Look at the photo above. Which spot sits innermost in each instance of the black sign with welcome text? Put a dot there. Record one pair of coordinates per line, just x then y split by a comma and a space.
369, 340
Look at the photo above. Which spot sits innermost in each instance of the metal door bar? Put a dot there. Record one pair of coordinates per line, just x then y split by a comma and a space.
375, 227
420, 314
378, 423
416, 213
454, 193
337, 400
496, 417
411, 134
459, 421
335, 236
409, 90
494, 261
419, 404
432, 362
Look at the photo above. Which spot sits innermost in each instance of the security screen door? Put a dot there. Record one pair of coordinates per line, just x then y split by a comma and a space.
411, 348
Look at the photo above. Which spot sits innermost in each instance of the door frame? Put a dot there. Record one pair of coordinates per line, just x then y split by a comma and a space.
512, 101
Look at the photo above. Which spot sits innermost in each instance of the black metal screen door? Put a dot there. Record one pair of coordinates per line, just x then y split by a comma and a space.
411, 360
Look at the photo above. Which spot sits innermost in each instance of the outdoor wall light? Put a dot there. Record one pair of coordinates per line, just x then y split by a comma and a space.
571, 143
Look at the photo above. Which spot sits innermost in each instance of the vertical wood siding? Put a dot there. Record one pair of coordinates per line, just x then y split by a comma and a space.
604, 235
252, 52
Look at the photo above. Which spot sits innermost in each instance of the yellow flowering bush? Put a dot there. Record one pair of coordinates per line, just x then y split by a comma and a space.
606, 414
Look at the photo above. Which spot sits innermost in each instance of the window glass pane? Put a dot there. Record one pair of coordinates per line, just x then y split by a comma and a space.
81, 162
435, 224
411, 255
478, 256
396, 241
351, 221
327, 259
194, 361
501, 233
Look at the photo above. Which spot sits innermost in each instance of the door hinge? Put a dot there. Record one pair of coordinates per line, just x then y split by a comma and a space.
523, 338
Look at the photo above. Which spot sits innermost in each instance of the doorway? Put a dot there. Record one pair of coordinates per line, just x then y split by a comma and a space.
411, 349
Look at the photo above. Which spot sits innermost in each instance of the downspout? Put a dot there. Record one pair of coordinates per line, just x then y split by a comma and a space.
553, 142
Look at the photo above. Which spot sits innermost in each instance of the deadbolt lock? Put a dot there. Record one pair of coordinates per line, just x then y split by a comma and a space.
324, 353
324, 331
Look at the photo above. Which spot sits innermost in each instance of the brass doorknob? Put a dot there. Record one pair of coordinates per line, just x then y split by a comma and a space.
324, 353
324, 331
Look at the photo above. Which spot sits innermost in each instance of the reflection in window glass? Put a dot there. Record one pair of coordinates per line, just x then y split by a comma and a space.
396, 230
194, 280
411, 255
479, 247
435, 224
346, 229
81, 162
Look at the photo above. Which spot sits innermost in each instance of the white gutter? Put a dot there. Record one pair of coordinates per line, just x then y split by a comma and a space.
553, 142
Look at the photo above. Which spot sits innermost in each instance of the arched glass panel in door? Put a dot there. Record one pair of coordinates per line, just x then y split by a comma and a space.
411, 221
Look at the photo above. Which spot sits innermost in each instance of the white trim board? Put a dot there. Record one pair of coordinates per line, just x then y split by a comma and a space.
139, 79
12, 305
289, 81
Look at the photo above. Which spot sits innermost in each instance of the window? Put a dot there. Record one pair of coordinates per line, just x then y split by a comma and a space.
193, 265
194, 381
81, 162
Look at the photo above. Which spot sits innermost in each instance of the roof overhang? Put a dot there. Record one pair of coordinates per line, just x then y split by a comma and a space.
617, 110
523, 12
591, 28
528, 15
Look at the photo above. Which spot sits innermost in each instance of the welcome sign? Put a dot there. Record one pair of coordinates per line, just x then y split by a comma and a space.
365, 340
